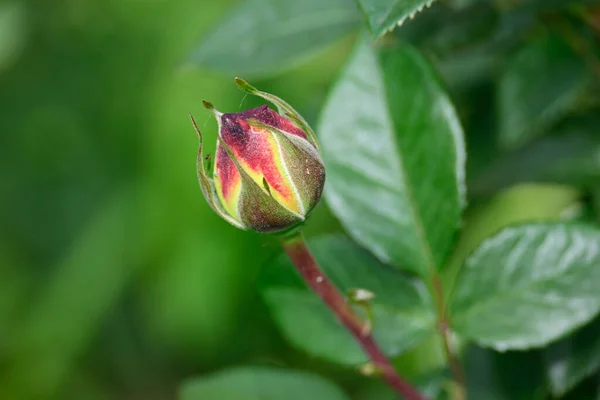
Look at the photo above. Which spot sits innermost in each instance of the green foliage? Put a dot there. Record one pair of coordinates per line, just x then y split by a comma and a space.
118, 282
394, 153
430, 385
504, 376
516, 205
539, 85
263, 37
260, 383
568, 154
573, 359
402, 312
528, 285
384, 15
12, 32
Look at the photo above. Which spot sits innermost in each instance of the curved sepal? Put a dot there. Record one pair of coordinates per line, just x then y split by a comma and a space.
207, 185
282, 107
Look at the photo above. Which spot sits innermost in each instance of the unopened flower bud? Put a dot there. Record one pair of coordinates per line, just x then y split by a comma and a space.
268, 173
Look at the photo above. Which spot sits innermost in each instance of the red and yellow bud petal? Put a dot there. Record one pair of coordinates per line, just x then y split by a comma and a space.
258, 152
269, 117
228, 182
304, 166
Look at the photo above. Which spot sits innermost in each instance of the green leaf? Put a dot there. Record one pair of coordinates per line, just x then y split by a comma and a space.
596, 201
573, 359
512, 206
538, 87
394, 153
13, 32
570, 155
504, 376
384, 15
429, 385
262, 37
260, 383
528, 285
403, 314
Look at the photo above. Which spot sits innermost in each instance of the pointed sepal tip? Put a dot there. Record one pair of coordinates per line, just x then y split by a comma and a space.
245, 86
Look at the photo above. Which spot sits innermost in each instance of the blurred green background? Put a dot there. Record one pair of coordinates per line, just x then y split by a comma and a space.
116, 279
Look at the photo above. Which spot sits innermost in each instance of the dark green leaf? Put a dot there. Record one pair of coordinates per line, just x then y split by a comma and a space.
260, 383
539, 86
430, 385
469, 29
402, 310
384, 15
570, 155
395, 156
504, 376
460, 4
528, 285
596, 201
262, 37
573, 359
536, 5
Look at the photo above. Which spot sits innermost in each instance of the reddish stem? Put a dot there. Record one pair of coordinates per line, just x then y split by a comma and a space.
315, 278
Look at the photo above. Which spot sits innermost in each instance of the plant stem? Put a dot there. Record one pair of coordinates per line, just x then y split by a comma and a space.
314, 277
444, 327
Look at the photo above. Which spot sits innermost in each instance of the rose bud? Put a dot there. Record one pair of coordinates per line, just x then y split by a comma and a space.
268, 174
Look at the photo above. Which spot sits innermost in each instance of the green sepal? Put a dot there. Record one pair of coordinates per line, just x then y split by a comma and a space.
207, 185
283, 108
261, 212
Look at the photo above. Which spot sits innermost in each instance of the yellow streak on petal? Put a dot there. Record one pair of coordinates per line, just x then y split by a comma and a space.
230, 204
269, 163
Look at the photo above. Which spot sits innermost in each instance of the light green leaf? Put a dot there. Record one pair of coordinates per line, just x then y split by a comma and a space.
384, 15
260, 383
262, 37
528, 285
516, 205
394, 153
13, 31
573, 359
403, 314
538, 87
